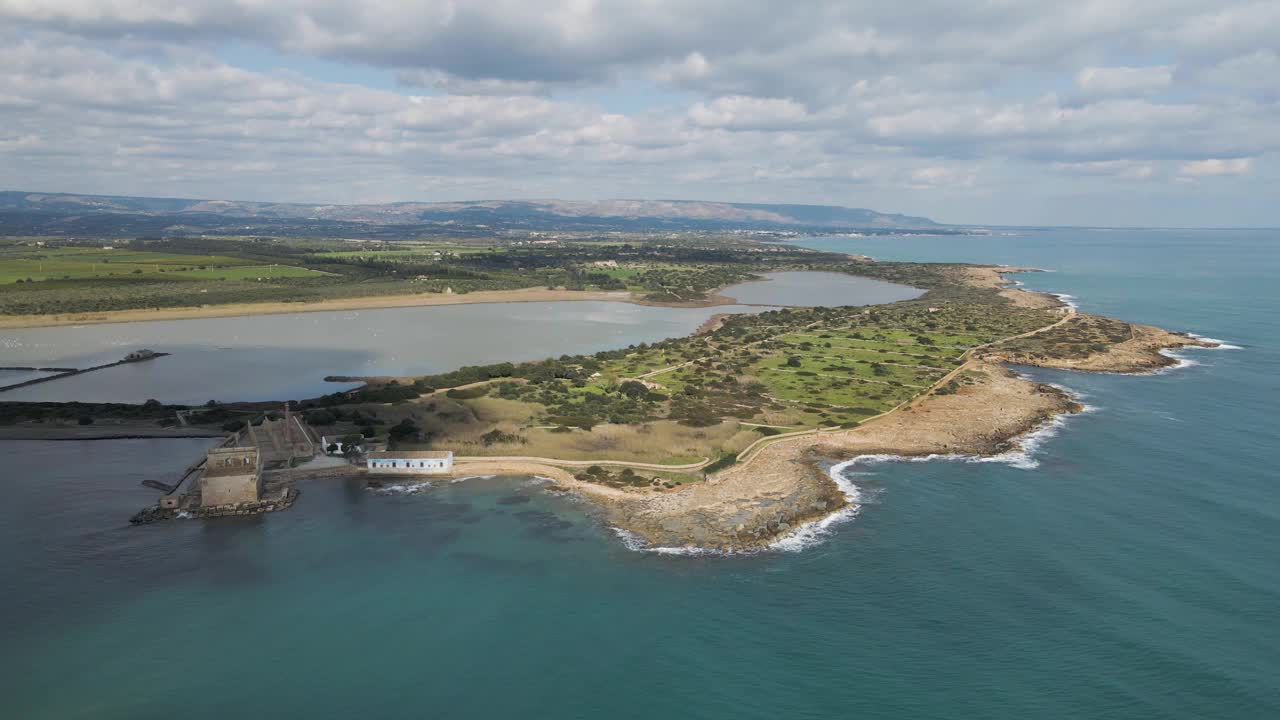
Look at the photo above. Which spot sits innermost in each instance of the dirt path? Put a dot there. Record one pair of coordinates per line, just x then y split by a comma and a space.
581, 463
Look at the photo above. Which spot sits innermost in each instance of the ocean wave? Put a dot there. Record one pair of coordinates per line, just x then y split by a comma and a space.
635, 543
1068, 300
402, 488
1220, 344
815, 532
1181, 362
465, 478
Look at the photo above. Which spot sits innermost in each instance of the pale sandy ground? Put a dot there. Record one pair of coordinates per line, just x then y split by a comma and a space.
993, 276
286, 308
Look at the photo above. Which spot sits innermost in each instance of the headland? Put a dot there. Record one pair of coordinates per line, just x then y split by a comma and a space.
722, 439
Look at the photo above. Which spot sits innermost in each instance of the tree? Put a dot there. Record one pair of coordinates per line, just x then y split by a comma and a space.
351, 444
633, 389
793, 361
320, 417
404, 430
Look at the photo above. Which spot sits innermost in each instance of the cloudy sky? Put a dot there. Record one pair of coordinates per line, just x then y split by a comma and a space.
1124, 112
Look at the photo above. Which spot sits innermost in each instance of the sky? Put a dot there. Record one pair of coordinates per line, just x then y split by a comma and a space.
1120, 112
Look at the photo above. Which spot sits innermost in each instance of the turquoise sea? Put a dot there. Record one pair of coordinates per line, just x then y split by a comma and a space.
1125, 568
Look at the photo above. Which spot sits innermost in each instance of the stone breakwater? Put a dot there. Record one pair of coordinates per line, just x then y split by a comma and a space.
155, 512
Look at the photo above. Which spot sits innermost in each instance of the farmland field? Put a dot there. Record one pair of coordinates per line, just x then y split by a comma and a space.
78, 263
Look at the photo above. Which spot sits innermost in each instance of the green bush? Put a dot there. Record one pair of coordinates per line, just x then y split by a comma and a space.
721, 463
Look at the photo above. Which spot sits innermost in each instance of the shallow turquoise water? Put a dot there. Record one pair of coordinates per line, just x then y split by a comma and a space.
1130, 574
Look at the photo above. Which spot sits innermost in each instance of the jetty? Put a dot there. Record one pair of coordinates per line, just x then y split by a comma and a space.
61, 373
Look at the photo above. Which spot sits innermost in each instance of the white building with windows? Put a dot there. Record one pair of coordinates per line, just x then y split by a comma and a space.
410, 462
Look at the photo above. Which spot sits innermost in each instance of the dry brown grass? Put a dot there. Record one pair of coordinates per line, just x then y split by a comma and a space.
663, 441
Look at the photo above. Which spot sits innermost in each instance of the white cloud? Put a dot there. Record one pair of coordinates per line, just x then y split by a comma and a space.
722, 98
1124, 81
1131, 169
1217, 166
746, 113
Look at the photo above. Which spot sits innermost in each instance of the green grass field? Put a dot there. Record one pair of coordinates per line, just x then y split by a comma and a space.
81, 263
418, 253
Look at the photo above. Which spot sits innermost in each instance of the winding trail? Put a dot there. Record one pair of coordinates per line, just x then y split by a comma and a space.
752, 450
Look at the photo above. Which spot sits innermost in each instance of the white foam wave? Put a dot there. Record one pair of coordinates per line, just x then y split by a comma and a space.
402, 488
465, 478
1068, 300
1218, 344
630, 540
635, 543
183, 515
813, 533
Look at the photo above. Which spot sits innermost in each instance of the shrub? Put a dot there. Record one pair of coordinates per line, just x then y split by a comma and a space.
721, 463
320, 417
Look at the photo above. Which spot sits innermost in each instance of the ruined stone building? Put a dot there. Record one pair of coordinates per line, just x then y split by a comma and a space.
232, 476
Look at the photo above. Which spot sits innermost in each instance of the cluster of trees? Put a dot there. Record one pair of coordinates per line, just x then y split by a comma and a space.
626, 476
14, 412
568, 406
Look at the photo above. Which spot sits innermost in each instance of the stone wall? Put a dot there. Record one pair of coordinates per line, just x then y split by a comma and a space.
229, 489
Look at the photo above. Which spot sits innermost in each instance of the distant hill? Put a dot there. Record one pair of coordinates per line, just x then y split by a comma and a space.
32, 212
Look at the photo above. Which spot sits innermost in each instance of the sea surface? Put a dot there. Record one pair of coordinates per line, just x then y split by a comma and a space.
1125, 567
287, 356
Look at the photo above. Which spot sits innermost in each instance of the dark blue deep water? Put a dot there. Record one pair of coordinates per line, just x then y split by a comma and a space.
1131, 573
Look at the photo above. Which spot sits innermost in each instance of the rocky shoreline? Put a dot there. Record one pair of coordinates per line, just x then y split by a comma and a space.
984, 411
786, 484
155, 513
1146, 351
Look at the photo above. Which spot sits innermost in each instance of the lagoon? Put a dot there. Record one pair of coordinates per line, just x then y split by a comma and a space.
281, 357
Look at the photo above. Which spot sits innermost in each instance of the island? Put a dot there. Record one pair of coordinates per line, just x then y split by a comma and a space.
723, 439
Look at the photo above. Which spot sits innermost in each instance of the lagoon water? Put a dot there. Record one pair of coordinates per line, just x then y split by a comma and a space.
1127, 571
281, 357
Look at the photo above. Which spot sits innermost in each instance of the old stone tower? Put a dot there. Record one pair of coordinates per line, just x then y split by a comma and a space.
232, 476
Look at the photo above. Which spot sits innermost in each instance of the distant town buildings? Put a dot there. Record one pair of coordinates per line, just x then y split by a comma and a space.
410, 462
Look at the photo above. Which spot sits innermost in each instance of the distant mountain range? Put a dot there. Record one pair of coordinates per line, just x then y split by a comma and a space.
70, 213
